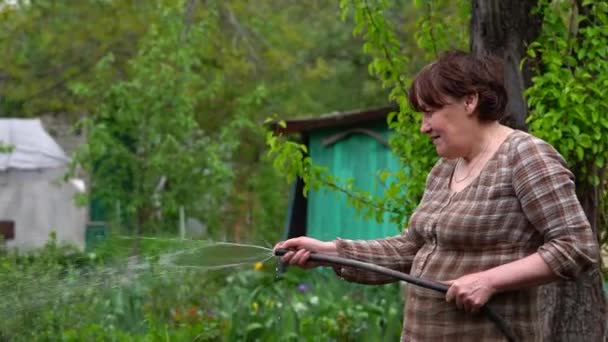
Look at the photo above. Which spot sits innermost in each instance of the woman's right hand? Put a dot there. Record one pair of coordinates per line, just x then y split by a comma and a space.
300, 249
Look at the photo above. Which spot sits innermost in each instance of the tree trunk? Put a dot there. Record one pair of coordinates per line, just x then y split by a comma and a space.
572, 310
576, 311
503, 28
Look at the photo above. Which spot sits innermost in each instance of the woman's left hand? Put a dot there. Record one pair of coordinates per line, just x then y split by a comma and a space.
470, 292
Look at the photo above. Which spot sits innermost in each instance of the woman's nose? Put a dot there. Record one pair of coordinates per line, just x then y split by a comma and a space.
425, 127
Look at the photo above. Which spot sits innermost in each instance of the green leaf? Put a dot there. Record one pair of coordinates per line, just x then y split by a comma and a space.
600, 162
585, 140
253, 326
580, 153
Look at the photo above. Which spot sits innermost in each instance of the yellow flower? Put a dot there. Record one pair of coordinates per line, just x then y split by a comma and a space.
176, 314
258, 266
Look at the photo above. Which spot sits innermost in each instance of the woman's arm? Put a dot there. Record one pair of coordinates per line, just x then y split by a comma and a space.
472, 291
529, 271
395, 253
546, 192
547, 195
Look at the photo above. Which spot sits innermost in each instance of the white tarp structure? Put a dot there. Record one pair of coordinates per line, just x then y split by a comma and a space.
32, 192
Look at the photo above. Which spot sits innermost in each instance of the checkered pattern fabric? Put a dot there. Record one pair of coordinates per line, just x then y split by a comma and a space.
522, 202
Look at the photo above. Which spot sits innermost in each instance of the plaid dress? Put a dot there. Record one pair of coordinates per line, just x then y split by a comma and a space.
522, 202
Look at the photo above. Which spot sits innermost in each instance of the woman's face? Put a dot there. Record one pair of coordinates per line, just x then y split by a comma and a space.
451, 127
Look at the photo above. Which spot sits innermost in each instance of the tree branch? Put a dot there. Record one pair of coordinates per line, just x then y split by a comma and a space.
188, 16
431, 33
387, 55
242, 33
358, 197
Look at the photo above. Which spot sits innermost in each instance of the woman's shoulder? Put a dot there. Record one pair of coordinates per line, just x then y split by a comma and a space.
525, 145
521, 138
529, 154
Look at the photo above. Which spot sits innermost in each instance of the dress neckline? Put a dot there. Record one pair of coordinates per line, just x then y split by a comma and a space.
454, 162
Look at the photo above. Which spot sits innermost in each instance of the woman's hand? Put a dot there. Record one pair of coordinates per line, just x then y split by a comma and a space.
470, 292
300, 249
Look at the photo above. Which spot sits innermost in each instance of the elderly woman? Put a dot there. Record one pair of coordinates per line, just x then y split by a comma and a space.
499, 215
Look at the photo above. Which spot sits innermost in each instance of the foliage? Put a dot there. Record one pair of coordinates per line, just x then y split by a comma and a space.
414, 150
309, 60
48, 44
575, 69
566, 97
22, 276
442, 25
145, 149
390, 59
6, 148
70, 301
292, 58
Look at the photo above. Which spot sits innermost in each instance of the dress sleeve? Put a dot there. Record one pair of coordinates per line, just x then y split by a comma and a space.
546, 191
396, 253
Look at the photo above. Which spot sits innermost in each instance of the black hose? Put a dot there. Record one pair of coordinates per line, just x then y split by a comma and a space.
432, 285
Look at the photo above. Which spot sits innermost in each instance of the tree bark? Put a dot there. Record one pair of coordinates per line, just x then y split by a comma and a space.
504, 28
576, 311
572, 310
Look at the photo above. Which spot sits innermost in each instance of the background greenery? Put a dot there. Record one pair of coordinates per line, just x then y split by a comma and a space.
179, 90
62, 294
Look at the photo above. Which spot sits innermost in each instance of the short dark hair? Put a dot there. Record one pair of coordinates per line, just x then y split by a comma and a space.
458, 74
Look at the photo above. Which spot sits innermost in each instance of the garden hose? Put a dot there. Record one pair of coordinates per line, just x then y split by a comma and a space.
431, 285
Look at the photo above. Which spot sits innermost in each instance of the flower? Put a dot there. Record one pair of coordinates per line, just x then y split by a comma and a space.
258, 266
299, 307
303, 288
210, 314
176, 315
181, 314
193, 312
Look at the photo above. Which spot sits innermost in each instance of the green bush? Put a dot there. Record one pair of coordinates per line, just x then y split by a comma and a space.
59, 293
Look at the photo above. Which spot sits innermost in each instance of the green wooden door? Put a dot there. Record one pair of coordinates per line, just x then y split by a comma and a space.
357, 155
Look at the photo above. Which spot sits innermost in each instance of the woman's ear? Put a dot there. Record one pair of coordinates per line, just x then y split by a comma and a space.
470, 103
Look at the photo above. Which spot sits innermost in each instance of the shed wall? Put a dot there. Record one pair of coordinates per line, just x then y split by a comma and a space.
357, 156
